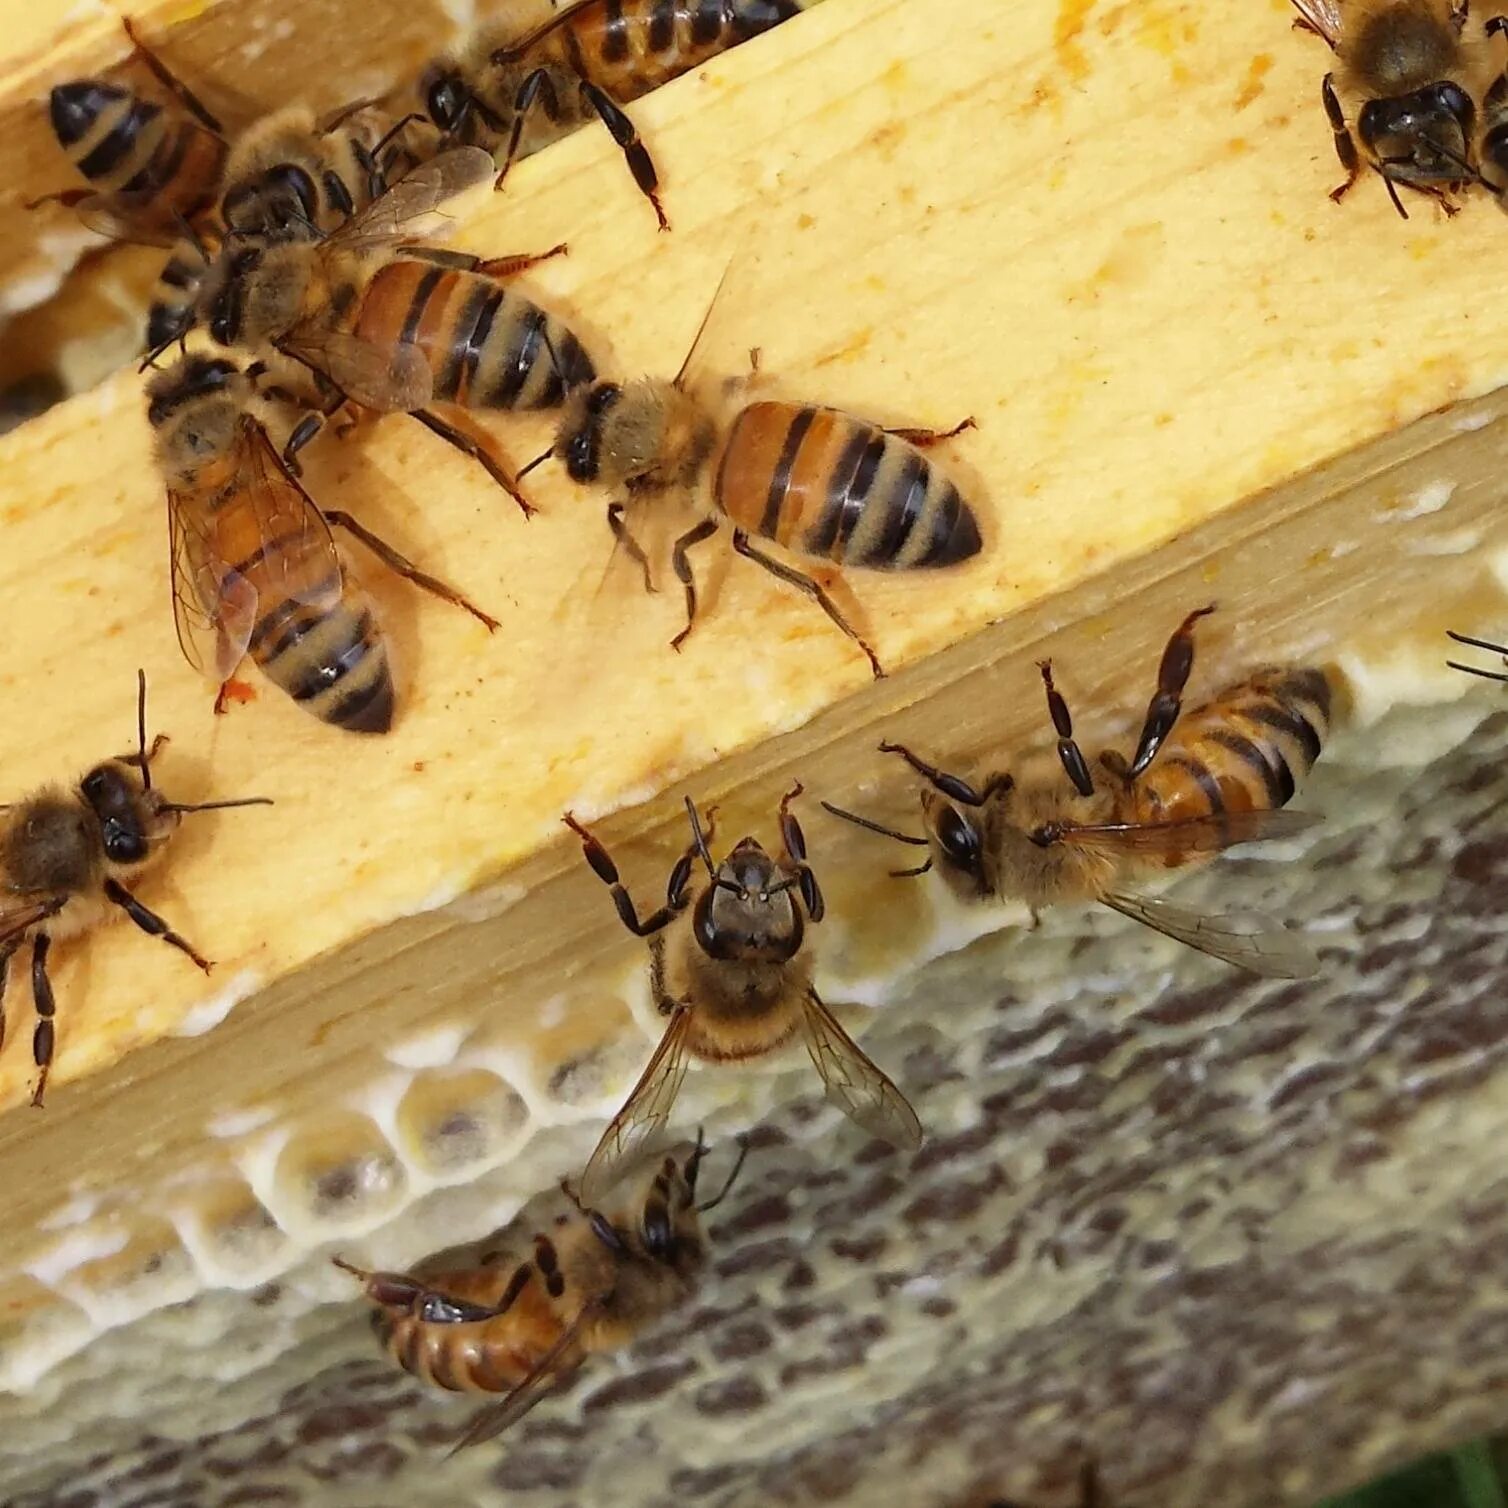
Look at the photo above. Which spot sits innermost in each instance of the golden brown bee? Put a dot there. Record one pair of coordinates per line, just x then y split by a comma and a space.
590, 1285
68, 857
823, 484
286, 170
1415, 76
1489, 646
585, 63
153, 168
729, 968
1199, 783
254, 566
396, 330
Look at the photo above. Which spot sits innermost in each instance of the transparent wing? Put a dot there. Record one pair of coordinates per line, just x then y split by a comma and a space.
1322, 16
393, 379
1247, 939
214, 604
541, 1380
17, 918
1208, 834
400, 213
860, 1090
121, 219
644, 1114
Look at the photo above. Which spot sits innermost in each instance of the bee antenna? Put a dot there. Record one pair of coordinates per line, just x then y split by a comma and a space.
732, 1178
700, 840
192, 235
213, 806
538, 460
1473, 174
874, 827
161, 349
141, 730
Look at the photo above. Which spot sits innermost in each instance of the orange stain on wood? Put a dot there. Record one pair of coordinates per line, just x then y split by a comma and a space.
1072, 15
1252, 86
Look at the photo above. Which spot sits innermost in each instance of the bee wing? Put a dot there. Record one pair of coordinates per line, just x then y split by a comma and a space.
1248, 939
537, 1385
214, 604
398, 214
644, 1114
17, 919
861, 1091
119, 219
395, 379
1207, 834
1323, 17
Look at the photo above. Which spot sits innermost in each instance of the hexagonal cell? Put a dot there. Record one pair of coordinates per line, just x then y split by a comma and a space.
235, 1234
454, 1120
36, 1325
150, 1269
336, 1174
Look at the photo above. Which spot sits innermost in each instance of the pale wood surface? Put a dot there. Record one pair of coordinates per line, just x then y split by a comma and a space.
1104, 233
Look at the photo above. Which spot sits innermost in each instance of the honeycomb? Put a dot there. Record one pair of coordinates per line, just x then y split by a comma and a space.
1239, 1238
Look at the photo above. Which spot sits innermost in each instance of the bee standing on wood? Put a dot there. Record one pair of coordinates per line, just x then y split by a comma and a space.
516, 94
1200, 782
395, 327
254, 566
730, 970
591, 1285
152, 167
821, 483
1415, 75
68, 857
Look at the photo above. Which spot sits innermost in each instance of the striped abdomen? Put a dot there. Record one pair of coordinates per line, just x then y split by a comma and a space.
151, 163
828, 485
629, 47
315, 636
486, 346
171, 312
1244, 751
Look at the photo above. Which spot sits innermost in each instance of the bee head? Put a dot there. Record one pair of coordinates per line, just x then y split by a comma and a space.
447, 98
133, 819
956, 835
194, 407
748, 913
256, 289
644, 434
1423, 137
579, 441
272, 201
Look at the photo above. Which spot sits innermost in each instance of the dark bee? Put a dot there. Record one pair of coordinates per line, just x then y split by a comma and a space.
1414, 76
515, 94
68, 859
591, 1285
730, 969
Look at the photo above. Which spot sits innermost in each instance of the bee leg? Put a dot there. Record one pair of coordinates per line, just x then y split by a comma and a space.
537, 89
1069, 752
402, 566
1091, 1489
922, 438
954, 787
640, 163
629, 543
1117, 764
44, 1039
1172, 677
606, 871
795, 855
665, 1003
170, 81
813, 589
495, 267
682, 566
1345, 143
150, 923
473, 448
68, 198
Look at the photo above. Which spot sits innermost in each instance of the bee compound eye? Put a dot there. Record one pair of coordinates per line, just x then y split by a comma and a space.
958, 838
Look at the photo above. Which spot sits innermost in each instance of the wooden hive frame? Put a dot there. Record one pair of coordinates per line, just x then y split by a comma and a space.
1102, 230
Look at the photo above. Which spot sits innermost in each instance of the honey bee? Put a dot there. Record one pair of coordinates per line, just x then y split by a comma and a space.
68, 857
1493, 151
286, 170
819, 482
255, 569
591, 1285
518, 94
1416, 77
1489, 646
728, 967
152, 168
1200, 782
395, 328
